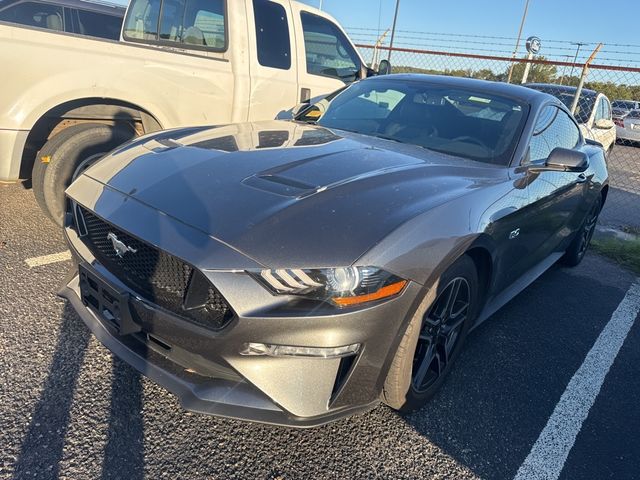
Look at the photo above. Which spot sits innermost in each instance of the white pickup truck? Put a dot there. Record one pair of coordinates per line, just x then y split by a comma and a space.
66, 99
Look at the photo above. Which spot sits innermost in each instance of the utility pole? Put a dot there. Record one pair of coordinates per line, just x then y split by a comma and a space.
515, 50
393, 30
575, 59
583, 77
320, 6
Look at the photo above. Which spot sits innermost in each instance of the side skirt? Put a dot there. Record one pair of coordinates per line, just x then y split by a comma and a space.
500, 300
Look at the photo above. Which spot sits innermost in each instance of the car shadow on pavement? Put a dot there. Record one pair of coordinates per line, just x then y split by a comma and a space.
124, 452
42, 448
50, 418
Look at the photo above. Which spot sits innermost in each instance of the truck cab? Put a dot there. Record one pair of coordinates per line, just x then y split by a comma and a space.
294, 52
177, 63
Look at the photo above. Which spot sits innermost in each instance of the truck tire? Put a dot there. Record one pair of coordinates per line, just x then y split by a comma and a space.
68, 150
39, 170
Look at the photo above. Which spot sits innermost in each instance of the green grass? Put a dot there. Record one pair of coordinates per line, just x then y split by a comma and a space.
625, 252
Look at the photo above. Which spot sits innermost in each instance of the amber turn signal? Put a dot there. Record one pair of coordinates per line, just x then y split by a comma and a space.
384, 292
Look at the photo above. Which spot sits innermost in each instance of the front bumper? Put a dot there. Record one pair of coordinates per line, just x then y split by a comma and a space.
205, 370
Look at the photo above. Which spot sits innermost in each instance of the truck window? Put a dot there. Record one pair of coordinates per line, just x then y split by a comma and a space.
99, 24
35, 14
189, 23
142, 20
328, 52
272, 34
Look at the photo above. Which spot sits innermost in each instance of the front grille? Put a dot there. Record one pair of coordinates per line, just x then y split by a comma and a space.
155, 275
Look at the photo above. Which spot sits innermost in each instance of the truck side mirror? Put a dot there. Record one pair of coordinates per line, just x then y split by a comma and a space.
384, 68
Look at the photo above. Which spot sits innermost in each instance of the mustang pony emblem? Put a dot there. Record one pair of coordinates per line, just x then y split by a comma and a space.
119, 246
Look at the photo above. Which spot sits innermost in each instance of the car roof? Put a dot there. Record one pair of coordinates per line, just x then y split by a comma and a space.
94, 6
561, 88
490, 87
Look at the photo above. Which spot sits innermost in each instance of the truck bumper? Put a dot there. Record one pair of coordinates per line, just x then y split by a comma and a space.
12, 143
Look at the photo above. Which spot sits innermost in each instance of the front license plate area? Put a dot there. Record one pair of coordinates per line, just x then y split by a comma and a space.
105, 301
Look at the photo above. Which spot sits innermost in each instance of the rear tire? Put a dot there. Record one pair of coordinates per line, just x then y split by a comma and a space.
579, 245
432, 334
67, 151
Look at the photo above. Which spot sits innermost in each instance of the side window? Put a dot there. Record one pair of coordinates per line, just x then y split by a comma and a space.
601, 111
272, 34
328, 52
142, 20
554, 128
34, 14
187, 23
99, 25
607, 109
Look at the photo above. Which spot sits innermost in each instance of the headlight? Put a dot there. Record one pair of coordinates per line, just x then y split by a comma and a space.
343, 286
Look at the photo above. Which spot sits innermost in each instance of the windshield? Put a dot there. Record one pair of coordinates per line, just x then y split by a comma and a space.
465, 123
622, 105
584, 107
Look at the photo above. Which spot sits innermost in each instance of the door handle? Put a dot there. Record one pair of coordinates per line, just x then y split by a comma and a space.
582, 178
305, 95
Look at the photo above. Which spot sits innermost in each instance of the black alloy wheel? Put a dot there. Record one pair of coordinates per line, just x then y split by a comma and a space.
579, 245
440, 334
589, 227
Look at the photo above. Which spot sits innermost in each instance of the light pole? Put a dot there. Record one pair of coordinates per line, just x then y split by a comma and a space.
579, 44
515, 50
320, 6
393, 30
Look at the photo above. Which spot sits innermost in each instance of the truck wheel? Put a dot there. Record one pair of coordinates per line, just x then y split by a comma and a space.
40, 165
67, 151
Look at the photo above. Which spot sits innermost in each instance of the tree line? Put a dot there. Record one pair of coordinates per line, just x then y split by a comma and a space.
539, 73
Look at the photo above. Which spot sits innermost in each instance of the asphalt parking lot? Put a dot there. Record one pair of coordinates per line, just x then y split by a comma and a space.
622, 209
69, 410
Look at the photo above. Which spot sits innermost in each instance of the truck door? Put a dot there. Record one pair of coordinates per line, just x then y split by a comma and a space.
274, 83
326, 59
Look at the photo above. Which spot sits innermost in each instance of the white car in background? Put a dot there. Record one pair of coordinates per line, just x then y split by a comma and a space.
629, 131
593, 112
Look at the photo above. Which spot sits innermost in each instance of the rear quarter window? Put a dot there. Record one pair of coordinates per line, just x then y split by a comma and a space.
99, 25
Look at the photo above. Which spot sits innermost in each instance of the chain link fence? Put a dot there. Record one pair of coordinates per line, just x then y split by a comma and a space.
608, 107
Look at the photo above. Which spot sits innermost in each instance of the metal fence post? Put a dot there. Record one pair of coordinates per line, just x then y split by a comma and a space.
527, 68
583, 77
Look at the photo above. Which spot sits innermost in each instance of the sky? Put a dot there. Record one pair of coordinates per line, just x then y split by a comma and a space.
567, 20
573, 20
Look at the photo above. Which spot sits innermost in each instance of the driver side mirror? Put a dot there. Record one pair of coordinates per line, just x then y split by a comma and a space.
567, 160
292, 112
384, 68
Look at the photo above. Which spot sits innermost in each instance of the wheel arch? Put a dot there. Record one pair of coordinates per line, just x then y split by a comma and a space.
481, 252
110, 111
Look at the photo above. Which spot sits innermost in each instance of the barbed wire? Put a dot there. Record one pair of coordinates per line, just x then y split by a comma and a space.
494, 37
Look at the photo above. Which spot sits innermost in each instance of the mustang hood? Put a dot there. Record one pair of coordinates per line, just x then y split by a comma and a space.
285, 193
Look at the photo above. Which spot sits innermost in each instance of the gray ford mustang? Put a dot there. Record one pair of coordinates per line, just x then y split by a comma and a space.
295, 272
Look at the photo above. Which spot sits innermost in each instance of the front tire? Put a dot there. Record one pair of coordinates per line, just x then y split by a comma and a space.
434, 338
67, 151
